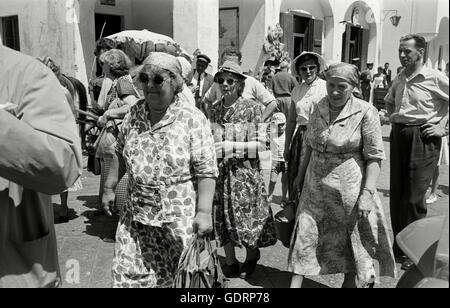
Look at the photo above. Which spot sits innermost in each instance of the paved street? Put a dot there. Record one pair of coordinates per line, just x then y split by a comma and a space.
82, 240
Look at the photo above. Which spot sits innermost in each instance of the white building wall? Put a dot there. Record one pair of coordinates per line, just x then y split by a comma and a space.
153, 15
418, 16
196, 25
252, 29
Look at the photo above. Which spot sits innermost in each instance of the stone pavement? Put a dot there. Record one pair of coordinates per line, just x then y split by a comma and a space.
84, 246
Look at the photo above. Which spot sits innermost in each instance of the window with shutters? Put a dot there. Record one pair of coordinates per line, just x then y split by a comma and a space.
10, 31
301, 33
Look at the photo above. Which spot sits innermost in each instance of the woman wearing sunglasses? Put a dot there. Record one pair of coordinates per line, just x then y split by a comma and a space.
340, 225
311, 90
243, 216
166, 146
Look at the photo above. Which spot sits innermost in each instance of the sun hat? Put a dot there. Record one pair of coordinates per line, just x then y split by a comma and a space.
322, 63
230, 67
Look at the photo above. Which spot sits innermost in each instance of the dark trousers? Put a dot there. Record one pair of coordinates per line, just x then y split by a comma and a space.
413, 161
365, 89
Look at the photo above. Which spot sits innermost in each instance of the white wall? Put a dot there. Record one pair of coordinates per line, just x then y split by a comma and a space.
252, 29
311, 6
153, 15
37, 19
196, 25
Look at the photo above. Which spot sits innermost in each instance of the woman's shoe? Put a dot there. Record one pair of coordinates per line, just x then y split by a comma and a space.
249, 266
231, 270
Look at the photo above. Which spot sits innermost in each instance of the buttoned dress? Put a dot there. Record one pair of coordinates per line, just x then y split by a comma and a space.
164, 162
328, 238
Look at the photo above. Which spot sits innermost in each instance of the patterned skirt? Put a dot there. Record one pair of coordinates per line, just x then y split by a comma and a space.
242, 213
147, 256
328, 238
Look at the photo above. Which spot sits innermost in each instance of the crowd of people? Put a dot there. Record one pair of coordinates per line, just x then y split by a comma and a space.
181, 152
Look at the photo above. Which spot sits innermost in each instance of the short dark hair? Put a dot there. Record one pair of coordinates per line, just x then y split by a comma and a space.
420, 41
386, 63
231, 51
103, 44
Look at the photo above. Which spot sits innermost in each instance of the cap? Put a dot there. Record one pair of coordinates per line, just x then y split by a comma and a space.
203, 58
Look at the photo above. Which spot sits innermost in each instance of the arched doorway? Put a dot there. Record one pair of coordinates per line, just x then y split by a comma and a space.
359, 44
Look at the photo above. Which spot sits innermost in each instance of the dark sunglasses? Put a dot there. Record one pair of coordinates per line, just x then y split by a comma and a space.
157, 79
230, 81
308, 67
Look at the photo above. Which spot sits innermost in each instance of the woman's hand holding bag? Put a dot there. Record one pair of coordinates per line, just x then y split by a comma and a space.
199, 266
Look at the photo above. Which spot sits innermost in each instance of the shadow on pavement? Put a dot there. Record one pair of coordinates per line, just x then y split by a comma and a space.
100, 225
57, 213
90, 202
269, 277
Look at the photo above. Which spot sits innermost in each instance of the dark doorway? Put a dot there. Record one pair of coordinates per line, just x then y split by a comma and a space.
10, 31
112, 24
355, 41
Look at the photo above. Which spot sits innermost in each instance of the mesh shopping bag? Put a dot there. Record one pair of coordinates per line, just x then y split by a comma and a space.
199, 266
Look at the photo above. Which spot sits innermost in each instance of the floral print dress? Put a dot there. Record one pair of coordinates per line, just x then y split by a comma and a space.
328, 238
163, 162
242, 212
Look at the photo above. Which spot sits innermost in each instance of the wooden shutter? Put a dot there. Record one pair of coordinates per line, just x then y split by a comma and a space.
365, 33
287, 23
316, 30
10, 35
346, 44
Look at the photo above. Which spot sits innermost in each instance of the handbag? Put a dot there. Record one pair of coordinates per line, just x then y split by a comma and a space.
199, 266
93, 164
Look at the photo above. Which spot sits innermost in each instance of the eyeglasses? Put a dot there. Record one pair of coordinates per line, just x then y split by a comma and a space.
157, 79
308, 67
229, 81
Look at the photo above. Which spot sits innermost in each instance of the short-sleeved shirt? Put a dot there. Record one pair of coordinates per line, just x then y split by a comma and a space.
357, 130
277, 147
164, 161
305, 95
253, 90
420, 99
283, 84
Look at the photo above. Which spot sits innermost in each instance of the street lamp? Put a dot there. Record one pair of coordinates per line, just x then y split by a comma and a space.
395, 19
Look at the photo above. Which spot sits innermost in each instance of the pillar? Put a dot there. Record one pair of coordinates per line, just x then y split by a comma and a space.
196, 25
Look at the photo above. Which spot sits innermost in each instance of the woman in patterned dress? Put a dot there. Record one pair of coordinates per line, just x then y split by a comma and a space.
166, 146
307, 65
117, 95
340, 225
243, 216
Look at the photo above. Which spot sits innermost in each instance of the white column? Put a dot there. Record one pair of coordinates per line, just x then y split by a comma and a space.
196, 25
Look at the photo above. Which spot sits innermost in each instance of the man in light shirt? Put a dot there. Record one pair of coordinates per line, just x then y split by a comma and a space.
417, 104
201, 80
253, 88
